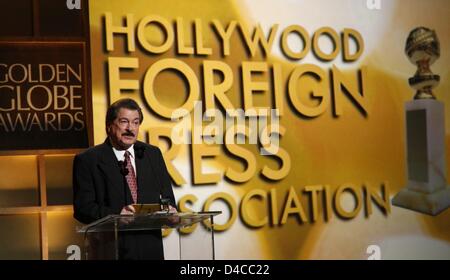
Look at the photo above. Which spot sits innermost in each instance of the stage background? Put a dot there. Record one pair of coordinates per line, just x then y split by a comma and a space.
360, 148
325, 150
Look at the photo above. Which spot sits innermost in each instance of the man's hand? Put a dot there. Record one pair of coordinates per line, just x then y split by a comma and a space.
128, 210
173, 219
172, 209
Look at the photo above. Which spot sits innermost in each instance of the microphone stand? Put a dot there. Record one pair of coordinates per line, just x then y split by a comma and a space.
124, 172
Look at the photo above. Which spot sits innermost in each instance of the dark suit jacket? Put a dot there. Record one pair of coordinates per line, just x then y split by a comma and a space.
100, 190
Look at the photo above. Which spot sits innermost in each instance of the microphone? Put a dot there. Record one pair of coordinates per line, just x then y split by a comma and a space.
165, 202
123, 168
139, 150
124, 172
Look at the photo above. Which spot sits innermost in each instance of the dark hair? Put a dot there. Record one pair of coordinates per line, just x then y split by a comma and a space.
127, 103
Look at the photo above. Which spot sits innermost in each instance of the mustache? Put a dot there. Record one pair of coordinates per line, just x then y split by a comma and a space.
128, 133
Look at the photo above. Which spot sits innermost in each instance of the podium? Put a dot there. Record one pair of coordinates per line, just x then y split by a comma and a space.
102, 238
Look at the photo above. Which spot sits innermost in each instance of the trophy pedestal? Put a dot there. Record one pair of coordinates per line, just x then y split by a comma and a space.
427, 190
431, 204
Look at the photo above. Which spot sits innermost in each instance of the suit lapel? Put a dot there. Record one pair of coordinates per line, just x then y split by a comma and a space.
142, 170
110, 167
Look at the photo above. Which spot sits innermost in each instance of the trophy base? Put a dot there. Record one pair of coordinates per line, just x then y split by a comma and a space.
427, 203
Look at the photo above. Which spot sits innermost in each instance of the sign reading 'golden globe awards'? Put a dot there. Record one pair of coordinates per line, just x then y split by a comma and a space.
43, 96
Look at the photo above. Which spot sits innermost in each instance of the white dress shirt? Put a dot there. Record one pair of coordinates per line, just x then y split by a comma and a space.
120, 155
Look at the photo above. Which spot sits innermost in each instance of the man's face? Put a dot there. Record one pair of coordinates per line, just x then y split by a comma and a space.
124, 129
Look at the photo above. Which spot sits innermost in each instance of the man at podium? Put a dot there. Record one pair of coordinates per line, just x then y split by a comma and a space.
109, 178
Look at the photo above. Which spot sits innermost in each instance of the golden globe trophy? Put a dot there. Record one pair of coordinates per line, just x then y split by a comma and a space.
427, 190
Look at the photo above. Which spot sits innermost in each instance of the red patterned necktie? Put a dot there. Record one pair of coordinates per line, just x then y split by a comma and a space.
131, 177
